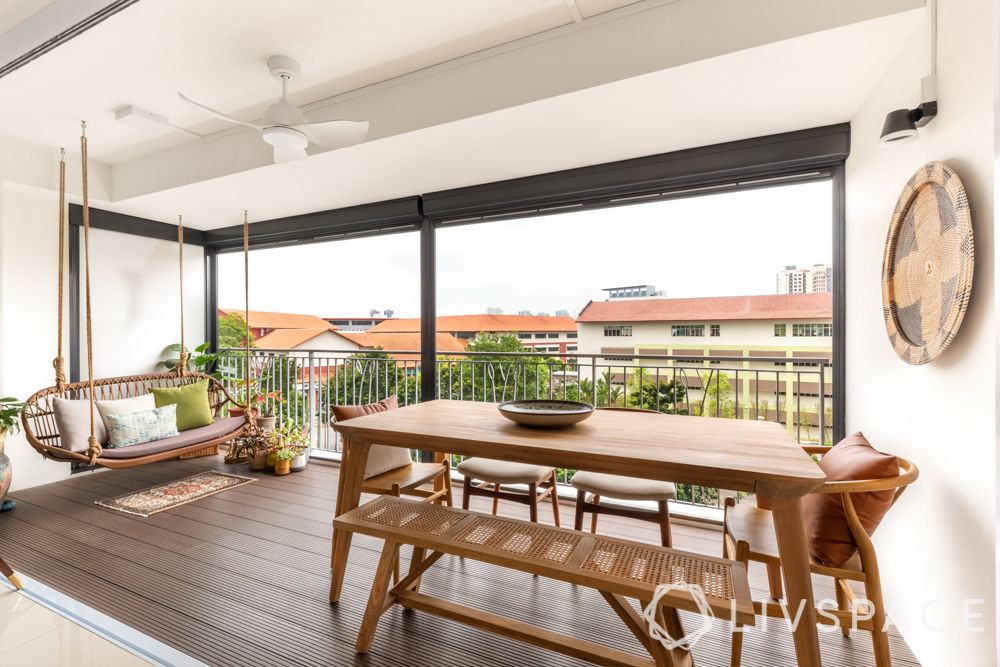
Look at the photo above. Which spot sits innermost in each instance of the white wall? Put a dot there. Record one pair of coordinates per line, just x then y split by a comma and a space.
937, 546
136, 315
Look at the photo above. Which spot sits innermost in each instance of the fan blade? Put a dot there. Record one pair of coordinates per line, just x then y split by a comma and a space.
215, 113
335, 133
289, 154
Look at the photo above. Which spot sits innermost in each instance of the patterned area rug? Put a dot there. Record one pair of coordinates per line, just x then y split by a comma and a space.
165, 496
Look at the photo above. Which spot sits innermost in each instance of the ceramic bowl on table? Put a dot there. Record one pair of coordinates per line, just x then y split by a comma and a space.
542, 413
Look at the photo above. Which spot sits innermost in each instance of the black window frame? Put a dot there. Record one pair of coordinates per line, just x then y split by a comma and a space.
768, 161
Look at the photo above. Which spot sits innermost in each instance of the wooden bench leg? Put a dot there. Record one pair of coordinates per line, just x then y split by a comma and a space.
496, 497
377, 598
670, 621
532, 503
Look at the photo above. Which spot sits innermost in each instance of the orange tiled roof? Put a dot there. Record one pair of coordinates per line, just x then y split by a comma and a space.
477, 323
720, 308
401, 341
260, 319
288, 339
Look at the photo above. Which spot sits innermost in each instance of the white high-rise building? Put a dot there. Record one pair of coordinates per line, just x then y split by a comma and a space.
793, 280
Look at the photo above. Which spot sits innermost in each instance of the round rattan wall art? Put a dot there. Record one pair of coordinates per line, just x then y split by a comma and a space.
927, 265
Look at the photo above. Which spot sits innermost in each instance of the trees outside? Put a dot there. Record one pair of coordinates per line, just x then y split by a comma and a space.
233, 331
648, 392
495, 377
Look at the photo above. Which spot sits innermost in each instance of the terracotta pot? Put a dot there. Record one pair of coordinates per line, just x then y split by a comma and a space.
239, 412
259, 460
266, 424
6, 473
283, 467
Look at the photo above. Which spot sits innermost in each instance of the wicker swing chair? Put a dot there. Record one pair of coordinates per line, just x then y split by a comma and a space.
38, 416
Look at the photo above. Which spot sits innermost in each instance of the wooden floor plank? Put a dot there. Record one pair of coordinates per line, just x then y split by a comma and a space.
241, 578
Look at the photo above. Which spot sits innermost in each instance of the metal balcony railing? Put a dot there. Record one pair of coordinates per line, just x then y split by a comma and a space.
303, 385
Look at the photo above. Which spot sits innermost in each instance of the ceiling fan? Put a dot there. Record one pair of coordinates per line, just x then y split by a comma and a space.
285, 128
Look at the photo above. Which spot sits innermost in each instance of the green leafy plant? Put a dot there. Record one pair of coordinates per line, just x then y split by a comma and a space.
10, 410
268, 403
292, 438
285, 454
199, 360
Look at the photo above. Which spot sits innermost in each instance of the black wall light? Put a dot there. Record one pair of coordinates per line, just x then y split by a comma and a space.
901, 125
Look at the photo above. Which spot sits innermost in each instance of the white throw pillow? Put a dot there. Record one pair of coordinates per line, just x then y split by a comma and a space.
135, 428
73, 421
124, 406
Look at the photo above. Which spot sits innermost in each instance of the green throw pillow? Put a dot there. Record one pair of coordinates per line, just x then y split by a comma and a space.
193, 409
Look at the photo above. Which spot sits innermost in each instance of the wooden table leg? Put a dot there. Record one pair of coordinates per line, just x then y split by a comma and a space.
791, 535
352, 473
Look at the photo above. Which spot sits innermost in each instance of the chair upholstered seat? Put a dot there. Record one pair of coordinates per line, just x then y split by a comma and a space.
753, 525
504, 472
623, 488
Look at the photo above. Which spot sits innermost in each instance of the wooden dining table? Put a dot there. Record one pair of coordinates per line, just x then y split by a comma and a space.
739, 455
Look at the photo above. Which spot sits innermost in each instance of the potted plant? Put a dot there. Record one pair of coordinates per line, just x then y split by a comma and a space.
296, 439
10, 411
267, 404
256, 444
244, 393
283, 461
199, 360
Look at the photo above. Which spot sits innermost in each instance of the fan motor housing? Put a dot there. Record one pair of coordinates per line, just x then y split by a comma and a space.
284, 67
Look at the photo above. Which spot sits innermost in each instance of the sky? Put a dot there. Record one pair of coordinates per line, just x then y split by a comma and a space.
716, 245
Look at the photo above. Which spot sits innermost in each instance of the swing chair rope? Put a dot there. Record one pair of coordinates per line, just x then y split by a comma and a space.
93, 446
59, 363
246, 311
182, 357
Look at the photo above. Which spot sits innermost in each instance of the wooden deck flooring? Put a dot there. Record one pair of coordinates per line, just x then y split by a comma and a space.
241, 578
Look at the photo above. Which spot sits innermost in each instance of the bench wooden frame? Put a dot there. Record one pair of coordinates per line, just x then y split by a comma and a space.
453, 524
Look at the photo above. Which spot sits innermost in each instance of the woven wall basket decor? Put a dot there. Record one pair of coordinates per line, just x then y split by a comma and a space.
927, 265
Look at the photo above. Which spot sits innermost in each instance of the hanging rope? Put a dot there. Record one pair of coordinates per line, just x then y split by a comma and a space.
246, 309
182, 360
59, 363
93, 446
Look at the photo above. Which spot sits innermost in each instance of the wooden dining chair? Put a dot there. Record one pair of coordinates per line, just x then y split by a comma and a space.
539, 480
748, 535
602, 485
391, 471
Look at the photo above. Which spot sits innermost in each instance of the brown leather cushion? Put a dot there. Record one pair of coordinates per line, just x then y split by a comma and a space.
381, 458
851, 459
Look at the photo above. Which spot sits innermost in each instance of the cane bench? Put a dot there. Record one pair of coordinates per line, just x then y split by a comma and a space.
616, 568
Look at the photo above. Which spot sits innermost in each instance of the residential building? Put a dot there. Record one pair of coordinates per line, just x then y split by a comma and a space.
793, 280
330, 340
263, 322
355, 323
704, 331
633, 292
538, 333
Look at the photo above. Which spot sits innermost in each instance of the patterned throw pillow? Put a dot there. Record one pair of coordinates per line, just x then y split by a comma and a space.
135, 428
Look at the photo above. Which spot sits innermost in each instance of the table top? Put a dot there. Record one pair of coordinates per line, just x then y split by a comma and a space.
736, 454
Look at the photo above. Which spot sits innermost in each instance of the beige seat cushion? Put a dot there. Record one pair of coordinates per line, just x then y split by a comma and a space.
504, 472
623, 488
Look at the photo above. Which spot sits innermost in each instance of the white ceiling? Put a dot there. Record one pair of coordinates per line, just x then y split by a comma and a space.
15, 12
806, 82
216, 53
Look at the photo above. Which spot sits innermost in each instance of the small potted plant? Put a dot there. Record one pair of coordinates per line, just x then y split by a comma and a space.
10, 411
267, 404
256, 445
283, 461
244, 394
297, 439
